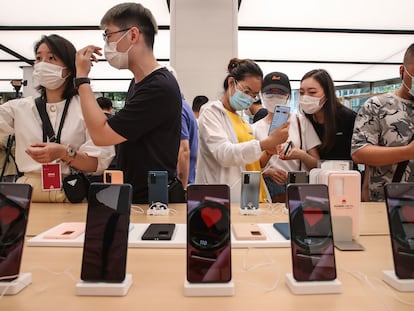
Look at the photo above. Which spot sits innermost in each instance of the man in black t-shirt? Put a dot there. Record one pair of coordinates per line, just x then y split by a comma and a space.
148, 128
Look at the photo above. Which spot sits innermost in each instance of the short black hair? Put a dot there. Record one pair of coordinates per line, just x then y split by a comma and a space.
199, 101
409, 55
104, 103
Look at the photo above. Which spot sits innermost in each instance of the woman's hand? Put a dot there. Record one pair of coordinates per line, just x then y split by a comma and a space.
277, 175
46, 152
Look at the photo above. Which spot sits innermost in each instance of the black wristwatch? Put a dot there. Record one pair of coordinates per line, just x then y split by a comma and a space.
78, 81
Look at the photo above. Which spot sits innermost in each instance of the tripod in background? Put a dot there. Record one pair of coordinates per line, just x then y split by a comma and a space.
7, 161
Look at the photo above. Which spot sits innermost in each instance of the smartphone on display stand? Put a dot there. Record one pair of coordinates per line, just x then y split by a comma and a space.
68, 231
161, 232
113, 177
248, 231
280, 117
106, 235
250, 190
312, 244
283, 229
158, 189
399, 198
14, 212
208, 233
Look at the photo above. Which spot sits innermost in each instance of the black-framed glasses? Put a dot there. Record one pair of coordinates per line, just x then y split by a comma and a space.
106, 35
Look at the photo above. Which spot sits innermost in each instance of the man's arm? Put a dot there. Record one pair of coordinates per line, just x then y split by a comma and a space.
183, 163
381, 156
96, 122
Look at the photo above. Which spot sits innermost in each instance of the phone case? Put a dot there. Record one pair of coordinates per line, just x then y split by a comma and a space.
208, 233
106, 234
159, 232
297, 177
280, 117
250, 190
113, 177
312, 245
158, 189
14, 213
248, 231
68, 231
283, 229
399, 198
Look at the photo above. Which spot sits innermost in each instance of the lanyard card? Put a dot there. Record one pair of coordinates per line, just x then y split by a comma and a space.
51, 177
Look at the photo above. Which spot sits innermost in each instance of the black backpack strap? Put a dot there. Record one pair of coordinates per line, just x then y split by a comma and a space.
399, 172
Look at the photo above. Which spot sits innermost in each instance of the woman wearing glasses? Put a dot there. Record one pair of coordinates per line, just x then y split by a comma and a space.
227, 145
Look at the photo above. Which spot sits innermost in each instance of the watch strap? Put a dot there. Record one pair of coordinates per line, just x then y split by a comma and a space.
79, 81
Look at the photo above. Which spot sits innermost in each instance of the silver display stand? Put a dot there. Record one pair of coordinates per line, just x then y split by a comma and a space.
208, 289
17, 285
104, 289
402, 285
313, 287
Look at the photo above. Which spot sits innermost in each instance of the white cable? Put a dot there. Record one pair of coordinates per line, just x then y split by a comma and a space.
137, 209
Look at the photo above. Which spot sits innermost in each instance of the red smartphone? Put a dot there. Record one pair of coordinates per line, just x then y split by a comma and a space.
312, 245
208, 234
14, 212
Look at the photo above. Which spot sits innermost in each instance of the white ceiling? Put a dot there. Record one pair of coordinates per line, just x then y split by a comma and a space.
354, 40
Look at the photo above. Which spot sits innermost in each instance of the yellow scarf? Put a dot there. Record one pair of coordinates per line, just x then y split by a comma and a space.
244, 133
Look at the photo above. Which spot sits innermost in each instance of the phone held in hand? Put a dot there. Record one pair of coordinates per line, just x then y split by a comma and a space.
280, 117
312, 244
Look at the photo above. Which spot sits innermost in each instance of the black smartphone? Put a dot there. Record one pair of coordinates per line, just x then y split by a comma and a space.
298, 177
158, 189
283, 229
106, 234
14, 212
280, 117
399, 198
208, 234
159, 232
312, 244
250, 190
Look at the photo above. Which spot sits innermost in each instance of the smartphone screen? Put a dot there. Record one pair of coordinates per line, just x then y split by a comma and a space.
158, 189
14, 212
250, 190
280, 117
399, 198
312, 245
208, 234
106, 235
160, 232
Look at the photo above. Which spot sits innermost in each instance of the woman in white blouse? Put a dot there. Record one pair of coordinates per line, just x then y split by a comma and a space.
54, 70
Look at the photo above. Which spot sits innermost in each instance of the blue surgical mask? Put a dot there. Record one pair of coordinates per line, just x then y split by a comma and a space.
240, 101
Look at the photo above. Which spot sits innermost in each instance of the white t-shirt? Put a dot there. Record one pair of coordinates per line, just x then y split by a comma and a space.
309, 140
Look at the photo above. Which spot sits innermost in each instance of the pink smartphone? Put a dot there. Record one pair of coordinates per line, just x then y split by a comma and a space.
67, 231
248, 231
113, 177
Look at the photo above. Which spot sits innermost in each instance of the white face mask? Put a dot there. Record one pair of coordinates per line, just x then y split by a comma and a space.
270, 101
48, 75
410, 90
116, 59
310, 104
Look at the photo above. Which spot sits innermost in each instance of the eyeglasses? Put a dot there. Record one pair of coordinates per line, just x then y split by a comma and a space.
255, 97
106, 35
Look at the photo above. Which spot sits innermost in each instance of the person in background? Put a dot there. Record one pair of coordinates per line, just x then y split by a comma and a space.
302, 155
198, 101
332, 121
53, 74
106, 106
226, 142
148, 126
187, 155
255, 112
383, 134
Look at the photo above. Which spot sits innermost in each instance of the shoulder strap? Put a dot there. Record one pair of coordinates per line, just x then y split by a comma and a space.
46, 124
399, 172
300, 138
